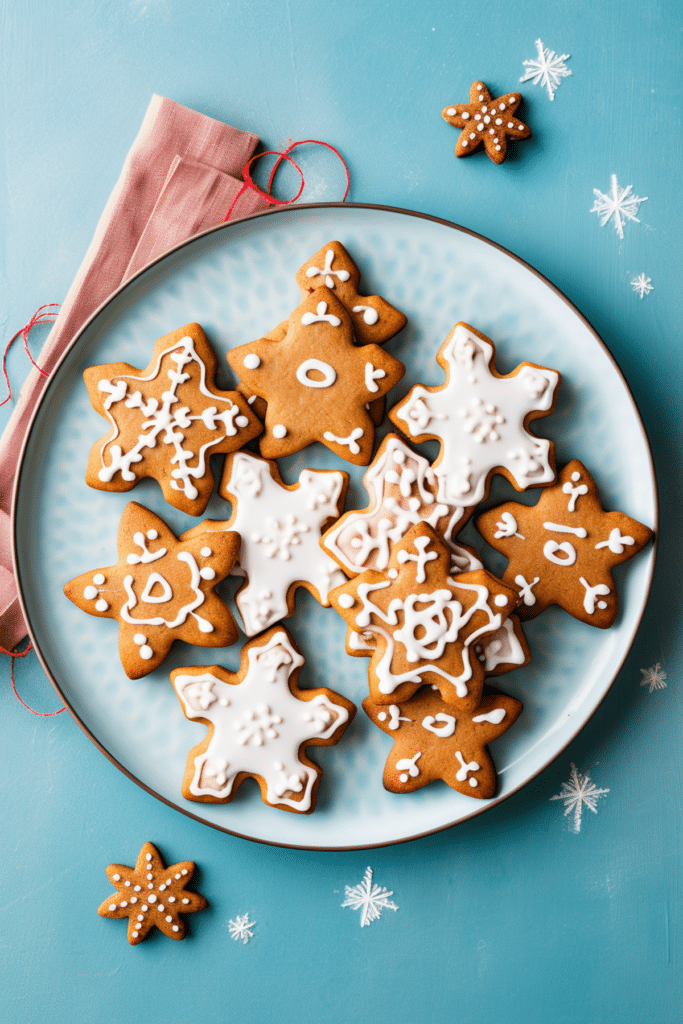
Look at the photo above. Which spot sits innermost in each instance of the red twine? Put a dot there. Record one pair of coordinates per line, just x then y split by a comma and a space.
39, 317
249, 181
22, 654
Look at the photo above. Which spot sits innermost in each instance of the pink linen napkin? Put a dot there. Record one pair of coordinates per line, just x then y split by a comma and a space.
180, 176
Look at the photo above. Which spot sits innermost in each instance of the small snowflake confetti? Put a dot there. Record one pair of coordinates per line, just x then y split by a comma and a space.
578, 791
240, 928
642, 285
654, 677
620, 203
547, 70
370, 899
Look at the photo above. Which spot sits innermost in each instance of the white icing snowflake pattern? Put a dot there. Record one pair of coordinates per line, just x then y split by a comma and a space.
369, 898
643, 285
240, 928
578, 792
547, 70
654, 677
620, 203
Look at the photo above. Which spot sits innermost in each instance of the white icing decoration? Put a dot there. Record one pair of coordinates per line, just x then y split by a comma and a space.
101, 605
371, 375
188, 609
363, 540
498, 438
578, 531
591, 593
616, 542
252, 361
420, 557
346, 601
330, 274
395, 716
329, 374
147, 555
153, 580
574, 492
507, 527
320, 316
551, 547
279, 431
408, 767
447, 729
525, 591
99, 579
503, 648
495, 717
163, 425
206, 552
277, 552
370, 314
351, 440
90, 593
261, 706
465, 768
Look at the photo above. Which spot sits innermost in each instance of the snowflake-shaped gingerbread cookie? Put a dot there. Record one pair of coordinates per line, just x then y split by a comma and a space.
563, 549
151, 895
166, 420
480, 417
434, 741
485, 120
280, 527
424, 620
259, 724
160, 590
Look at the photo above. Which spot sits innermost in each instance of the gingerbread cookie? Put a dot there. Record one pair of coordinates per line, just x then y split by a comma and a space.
259, 724
432, 742
562, 550
166, 420
151, 895
402, 490
316, 382
480, 417
280, 529
160, 590
424, 620
485, 120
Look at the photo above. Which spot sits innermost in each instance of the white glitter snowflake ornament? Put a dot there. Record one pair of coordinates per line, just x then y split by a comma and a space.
654, 677
240, 928
578, 792
547, 70
620, 203
642, 285
369, 898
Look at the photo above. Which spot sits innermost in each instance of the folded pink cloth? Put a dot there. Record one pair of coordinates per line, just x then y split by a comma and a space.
180, 177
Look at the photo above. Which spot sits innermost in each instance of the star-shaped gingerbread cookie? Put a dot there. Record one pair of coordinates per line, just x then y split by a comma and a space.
166, 420
481, 418
259, 724
316, 382
424, 620
563, 549
433, 741
151, 895
485, 120
160, 590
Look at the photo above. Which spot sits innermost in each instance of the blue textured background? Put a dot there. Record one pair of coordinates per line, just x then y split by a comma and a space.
509, 917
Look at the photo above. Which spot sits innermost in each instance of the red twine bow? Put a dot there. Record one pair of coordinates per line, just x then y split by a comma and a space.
249, 181
39, 317
22, 654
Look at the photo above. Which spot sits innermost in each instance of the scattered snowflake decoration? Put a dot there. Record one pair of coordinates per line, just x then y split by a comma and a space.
654, 677
241, 927
620, 203
547, 70
642, 285
370, 899
579, 791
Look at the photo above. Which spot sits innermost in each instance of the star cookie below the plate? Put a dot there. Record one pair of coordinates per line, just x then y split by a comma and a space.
151, 895
486, 120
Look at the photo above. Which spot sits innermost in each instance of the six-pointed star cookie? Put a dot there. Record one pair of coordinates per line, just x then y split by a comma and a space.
316, 382
160, 590
402, 490
481, 419
424, 620
259, 724
431, 741
150, 894
166, 420
486, 120
562, 550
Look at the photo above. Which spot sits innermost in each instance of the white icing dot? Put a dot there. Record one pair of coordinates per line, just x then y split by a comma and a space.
152, 534
171, 899
497, 147
161, 908
242, 421
206, 552
473, 783
140, 638
472, 135
279, 430
207, 573
116, 878
346, 601
101, 605
602, 604
393, 573
477, 117
484, 109
500, 600
186, 901
252, 361
161, 888
575, 476
487, 119
149, 877
90, 593
146, 652
112, 907
382, 716
465, 115
135, 935
510, 124
133, 899
151, 886
403, 777
124, 903
502, 106
144, 907
183, 872
480, 127
464, 142
176, 928
152, 898
141, 917
127, 882
137, 888
451, 111
169, 918
498, 121
99, 579
491, 131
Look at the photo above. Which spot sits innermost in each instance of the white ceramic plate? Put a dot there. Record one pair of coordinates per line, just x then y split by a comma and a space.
238, 282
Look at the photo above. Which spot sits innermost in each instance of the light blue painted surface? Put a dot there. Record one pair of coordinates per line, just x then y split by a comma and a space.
509, 917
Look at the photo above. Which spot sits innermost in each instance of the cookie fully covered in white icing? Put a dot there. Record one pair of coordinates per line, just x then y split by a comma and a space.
424, 620
166, 421
480, 418
280, 527
259, 724
160, 590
